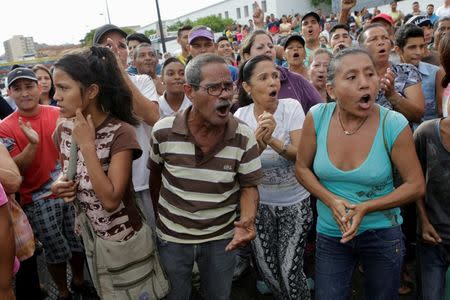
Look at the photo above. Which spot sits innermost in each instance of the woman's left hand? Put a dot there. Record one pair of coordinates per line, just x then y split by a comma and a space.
83, 130
354, 216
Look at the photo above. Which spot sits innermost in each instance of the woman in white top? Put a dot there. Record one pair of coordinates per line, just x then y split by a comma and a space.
284, 216
173, 99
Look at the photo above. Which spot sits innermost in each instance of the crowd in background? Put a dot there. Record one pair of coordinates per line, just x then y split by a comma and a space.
280, 140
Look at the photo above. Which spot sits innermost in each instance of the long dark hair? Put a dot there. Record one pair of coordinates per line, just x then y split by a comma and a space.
245, 73
444, 57
98, 65
42, 67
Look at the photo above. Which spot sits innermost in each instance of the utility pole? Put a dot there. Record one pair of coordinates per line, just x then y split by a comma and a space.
107, 11
161, 29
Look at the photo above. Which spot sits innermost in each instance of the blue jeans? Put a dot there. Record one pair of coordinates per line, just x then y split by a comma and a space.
215, 265
380, 252
432, 262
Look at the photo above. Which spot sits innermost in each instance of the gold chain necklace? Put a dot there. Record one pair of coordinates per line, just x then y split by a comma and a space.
350, 132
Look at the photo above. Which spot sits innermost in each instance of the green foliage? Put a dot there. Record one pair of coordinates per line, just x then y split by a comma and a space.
150, 32
316, 3
216, 23
89, 37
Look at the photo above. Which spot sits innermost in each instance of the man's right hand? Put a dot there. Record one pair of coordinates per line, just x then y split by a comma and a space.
29, 132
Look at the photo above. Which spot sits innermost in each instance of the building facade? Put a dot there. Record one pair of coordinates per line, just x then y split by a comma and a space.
19, 48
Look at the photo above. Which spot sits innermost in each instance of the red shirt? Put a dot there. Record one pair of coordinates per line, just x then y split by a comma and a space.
44, 123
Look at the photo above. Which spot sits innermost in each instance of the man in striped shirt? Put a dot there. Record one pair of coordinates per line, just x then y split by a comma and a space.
203, 161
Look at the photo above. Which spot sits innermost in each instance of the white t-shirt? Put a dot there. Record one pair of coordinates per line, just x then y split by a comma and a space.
279, 187
141, 173
443, 11
165, 110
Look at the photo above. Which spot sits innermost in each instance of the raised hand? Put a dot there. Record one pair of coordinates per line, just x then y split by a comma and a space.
347, 4
258, 15
83, 130
29, 132
266, 120
387, 83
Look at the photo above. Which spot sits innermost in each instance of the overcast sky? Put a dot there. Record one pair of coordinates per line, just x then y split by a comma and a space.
57, 22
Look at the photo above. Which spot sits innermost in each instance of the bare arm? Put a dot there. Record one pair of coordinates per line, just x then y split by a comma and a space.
439, 91
9, 172
7, 251
303, 170
412, 106
346, 7
290, 151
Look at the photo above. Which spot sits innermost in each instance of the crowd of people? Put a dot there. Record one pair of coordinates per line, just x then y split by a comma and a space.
307, 133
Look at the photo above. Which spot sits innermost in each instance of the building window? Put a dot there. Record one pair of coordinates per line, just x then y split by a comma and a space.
226, 15
220, 15
246, 11
264, 6
238, 13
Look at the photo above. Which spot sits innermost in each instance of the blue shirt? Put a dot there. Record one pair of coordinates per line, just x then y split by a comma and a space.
428, 72
371, 180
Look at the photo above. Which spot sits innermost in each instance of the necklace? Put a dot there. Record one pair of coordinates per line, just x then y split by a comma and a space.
350, 132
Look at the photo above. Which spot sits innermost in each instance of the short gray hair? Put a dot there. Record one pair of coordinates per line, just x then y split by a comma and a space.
193, 72
139, 47
334, 65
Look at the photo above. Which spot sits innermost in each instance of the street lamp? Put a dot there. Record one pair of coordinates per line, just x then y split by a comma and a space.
161, 30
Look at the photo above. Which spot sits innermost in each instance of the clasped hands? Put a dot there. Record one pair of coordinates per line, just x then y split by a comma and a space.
348, 216
266, 126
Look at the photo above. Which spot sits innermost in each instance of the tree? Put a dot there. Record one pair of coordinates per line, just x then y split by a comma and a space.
89, 37
150, 32
316, 3
216, 23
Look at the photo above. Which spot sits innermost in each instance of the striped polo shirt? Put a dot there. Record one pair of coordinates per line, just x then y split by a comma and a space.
199, 193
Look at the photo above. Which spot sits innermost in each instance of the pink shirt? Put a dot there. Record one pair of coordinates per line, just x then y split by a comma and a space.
3, 201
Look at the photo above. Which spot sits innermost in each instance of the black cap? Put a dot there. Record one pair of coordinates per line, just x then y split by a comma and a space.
21, 73
101, 31
293, 37
419, 21
312, 14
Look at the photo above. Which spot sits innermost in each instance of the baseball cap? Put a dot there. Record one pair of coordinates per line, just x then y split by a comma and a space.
21, 73
419, 21
200, 31
312, 14
293, 37
383, 17
101, 31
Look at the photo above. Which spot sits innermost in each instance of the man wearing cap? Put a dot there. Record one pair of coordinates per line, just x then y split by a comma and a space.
311, 32
145, 105
429, 56
294, 51
27, 134
201, 40
387, 22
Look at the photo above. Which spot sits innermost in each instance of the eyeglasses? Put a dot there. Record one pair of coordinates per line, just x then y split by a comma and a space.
218, 88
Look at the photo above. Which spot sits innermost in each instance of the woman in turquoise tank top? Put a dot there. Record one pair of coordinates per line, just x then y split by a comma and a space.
344, 158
